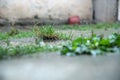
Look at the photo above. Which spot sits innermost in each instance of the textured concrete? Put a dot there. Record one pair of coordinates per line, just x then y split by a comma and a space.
55, 67
45, 10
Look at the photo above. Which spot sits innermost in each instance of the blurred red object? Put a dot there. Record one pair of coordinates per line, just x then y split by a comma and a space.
74, 20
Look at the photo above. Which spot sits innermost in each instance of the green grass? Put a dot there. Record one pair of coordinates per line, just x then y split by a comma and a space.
89, 26
21, 34
50, 30
3, 36
45, 30
13, 51
65, 36
94, 45
24, 34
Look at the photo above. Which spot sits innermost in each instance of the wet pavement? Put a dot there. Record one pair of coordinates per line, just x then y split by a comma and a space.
55, 67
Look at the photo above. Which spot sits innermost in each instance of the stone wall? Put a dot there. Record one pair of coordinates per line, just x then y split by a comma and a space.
44, 11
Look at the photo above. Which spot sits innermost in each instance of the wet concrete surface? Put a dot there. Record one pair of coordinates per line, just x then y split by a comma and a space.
55, 67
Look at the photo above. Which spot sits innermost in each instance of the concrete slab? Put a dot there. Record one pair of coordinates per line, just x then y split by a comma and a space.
54, 67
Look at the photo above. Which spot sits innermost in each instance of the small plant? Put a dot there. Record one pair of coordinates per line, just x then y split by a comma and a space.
94, 45
13, 31
48, 33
